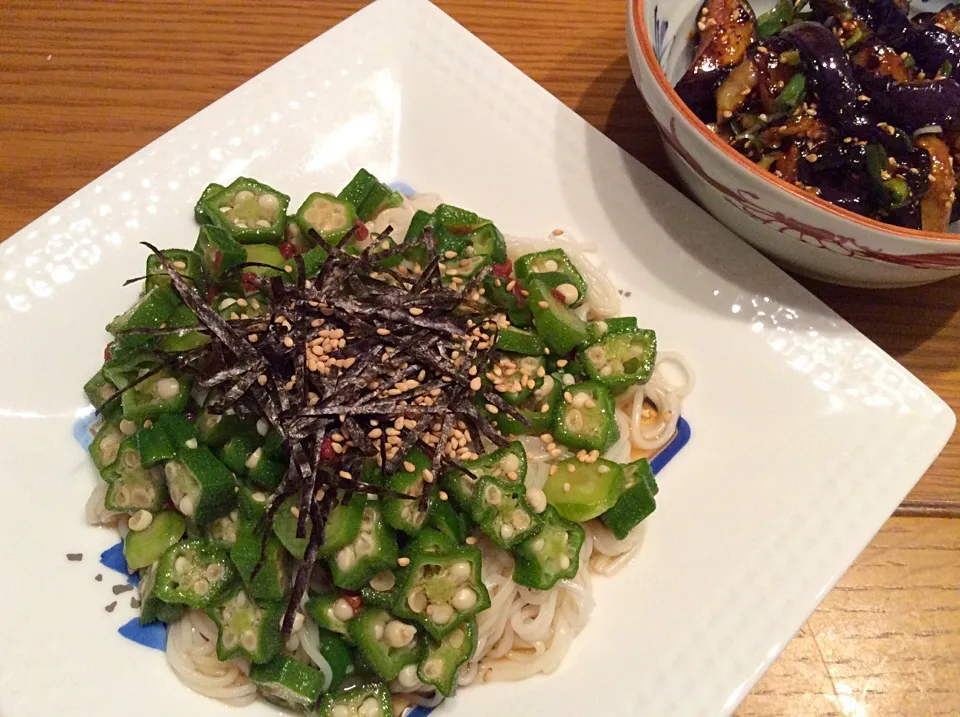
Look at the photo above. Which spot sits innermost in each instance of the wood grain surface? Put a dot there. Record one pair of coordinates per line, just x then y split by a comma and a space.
85, 84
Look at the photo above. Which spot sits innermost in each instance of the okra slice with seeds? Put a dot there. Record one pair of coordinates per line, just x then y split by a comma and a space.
388, 644
443, 659
106, 444
199, 213
554, 268
154, 396
502, 512
379, 591
538, 409
200, 486
328, 216
551, 555
403, 513
251, 212
585, 419
365, 699
224, 530
340, 530
99, 389
246, 629
133, 486
440, 590
273, 578
145, 547
619, 360
501, 463
560, 328
379, 198
636, 503
521, 377
238, 450
289, 683
333, 611
185, 262
581, 491
374, 549
152, 608
195, 573
596, 330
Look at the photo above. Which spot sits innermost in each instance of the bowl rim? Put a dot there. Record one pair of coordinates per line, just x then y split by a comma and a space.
642, 37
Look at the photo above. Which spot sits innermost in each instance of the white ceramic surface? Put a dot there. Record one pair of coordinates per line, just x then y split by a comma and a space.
806, 435
801, 232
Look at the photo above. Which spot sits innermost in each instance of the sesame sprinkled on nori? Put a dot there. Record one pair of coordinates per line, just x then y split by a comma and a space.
338, 354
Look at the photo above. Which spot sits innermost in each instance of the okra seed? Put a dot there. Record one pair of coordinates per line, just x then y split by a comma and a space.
253, 459
606, 371
537, 499
408, 677
564, 562
180, 565
259, 497
574, 419
456, 638
464, 599
268, 203
460, 571
167, 388
603, 469
569, 293
369, 708
520, 520
191, 443
492, 495
365, 545
511, 462
201, 587
433, 668
507, 531
249, 640
398, 634
340, 711
417, 600
229, 639
378, 631
263, 223
128, 428
567, 487
186, 506
538, 545
241, 599
244, 195
214, 572
441, 614
140, 520
342, 610
240, 223
383, 581
262, 427
131, 459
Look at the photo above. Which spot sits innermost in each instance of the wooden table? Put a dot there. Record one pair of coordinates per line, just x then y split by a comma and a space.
85, 84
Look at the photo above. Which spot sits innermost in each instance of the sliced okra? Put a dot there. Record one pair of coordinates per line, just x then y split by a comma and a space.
220, 253
581, 491
145, 547
374, 549
340, 530
636, 503
216, 429
246, 629
538, 409
155, 445
554, 268
561, 329
442, 659
150, 310
358, 188
585, 419
199, 213
551, 555
152, 608
333, 611
509, 462
224, 529
519, 341
440, 590
366, 699
160, 393
187, 339
185, 262
133, 486
502, 512
99, 389
200, 486
196, 573
106, 444
403, 513
388, 644
596, 330
289, 683
273, 578
249, 211
622, 359
328, 216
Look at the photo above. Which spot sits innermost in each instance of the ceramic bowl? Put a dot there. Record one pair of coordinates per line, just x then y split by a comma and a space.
798, 230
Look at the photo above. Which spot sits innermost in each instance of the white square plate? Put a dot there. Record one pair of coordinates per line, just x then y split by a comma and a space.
806, 435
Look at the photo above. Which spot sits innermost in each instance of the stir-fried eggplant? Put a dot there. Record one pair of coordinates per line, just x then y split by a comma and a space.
851, 100
725, 29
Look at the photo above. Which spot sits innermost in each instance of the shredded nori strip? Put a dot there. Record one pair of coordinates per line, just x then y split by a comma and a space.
354, 348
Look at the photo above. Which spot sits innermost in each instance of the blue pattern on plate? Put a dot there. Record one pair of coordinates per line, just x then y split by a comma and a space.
404, 189
659, 34
114, 559
81, 428
153, 636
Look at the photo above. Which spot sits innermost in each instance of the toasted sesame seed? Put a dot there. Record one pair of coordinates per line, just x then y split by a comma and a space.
475, 384
415, 310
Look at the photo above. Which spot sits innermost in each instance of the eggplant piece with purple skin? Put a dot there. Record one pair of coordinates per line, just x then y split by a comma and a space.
830, 70
930, 45
913, 105
726, 29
